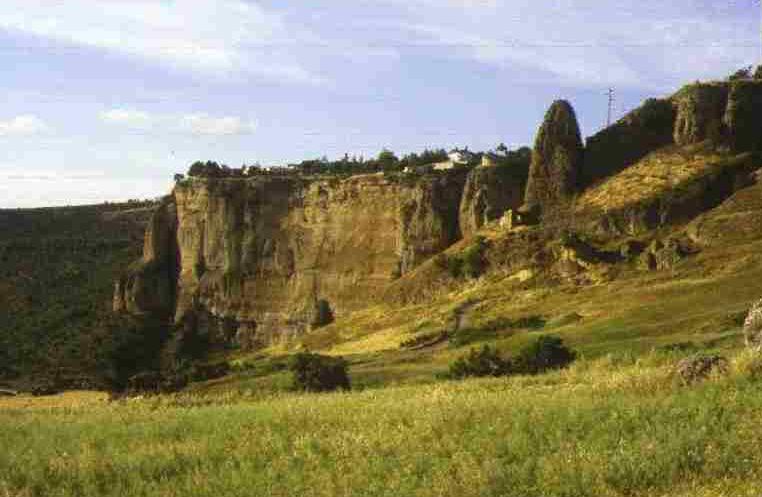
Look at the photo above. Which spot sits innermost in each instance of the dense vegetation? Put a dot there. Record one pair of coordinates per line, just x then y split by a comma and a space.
57, 270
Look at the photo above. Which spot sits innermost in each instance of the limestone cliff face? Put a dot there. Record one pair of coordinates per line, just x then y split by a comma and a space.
429, 218
256, 256
556, 158
149, 285
700, 112
488, 193
743, 116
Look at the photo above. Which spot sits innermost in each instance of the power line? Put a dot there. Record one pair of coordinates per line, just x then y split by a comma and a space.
612, 99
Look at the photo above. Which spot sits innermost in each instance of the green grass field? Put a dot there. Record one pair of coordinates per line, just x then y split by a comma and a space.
610, 427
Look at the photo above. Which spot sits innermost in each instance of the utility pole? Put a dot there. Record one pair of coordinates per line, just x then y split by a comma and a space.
611, 107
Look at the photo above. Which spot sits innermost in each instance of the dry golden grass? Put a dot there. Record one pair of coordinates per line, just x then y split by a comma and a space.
651, 177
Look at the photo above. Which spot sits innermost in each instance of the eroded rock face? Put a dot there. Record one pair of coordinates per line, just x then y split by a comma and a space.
489, 192
429, 218
556, 158
250, 258
743, 115
149, 285
700, 113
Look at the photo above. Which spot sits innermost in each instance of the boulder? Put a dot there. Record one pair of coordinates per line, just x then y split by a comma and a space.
556, 159
695, 369
752, 327
664, 255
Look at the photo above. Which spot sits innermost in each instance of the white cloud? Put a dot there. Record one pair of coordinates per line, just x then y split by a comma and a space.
204, 124
214, 36
130, 118
648, 44
24, 125
199, 124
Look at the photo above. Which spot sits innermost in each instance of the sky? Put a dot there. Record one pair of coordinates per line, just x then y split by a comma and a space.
106, 100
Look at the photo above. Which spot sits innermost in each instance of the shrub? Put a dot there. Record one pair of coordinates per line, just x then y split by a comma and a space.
454, 266
318, 373
546, 353
473, 261
748, 364
480, 362
323, 315
427, 339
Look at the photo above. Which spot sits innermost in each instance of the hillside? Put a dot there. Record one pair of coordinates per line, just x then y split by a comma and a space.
56, 282
640, 249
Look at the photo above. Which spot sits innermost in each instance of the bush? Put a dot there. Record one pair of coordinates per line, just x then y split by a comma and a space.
424, 340
318, 373
323, 314
471, 263
546, 353
480, 363
473, 259
748, 364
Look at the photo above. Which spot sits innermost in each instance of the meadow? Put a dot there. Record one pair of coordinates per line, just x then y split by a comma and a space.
614, 426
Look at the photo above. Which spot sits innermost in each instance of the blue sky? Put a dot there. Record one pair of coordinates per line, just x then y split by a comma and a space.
106, 100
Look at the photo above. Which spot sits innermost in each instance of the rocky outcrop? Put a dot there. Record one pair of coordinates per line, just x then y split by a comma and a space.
695, 369
743, 115
664, 255
149, 285
752, 327
556, 158
429, 217
640, 132
249, 261
700, 113
489, 192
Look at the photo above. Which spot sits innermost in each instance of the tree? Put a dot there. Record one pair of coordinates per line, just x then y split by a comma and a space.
546, 353
479, 363
387, 160
741, 74
318, 373
208, 169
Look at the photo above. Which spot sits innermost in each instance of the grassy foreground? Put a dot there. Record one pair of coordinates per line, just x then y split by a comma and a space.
612, 427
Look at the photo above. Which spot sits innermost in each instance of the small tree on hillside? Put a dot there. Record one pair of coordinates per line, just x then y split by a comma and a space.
318, 373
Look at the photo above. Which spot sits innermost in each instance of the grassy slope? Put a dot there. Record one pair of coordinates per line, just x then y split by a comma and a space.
57, 269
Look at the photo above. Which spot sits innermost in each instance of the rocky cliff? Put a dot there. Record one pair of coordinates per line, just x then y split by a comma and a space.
249, 260
149, 284
488, 193
556, 158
